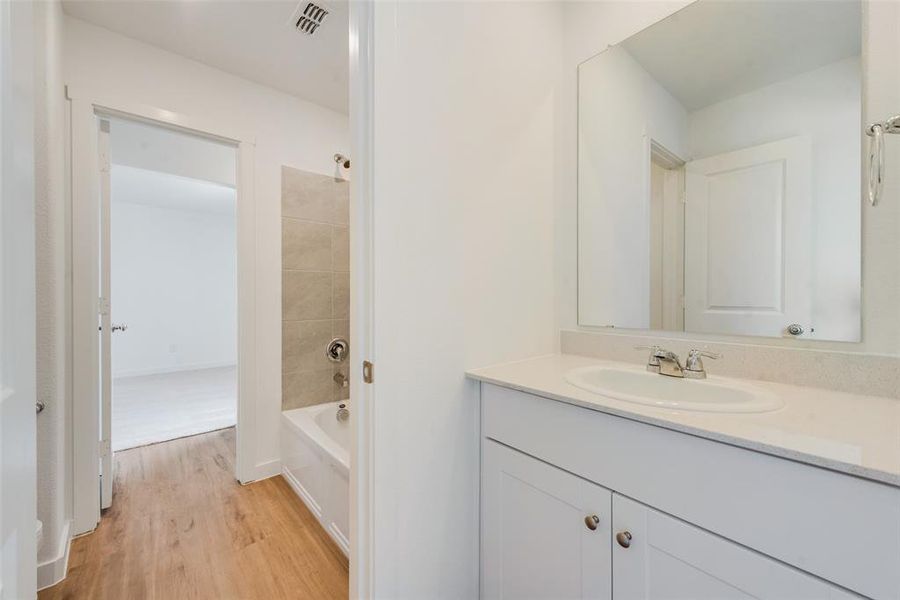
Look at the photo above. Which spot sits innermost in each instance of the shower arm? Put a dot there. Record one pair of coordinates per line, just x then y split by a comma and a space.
876, 132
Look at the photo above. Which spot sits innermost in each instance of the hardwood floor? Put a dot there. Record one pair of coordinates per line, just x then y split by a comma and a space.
182, 527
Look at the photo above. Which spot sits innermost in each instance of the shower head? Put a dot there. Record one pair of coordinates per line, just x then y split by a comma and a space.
342, 160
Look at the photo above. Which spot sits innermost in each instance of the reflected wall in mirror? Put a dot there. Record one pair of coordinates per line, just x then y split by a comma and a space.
719, 169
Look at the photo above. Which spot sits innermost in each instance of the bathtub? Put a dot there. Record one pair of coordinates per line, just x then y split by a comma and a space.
315, 461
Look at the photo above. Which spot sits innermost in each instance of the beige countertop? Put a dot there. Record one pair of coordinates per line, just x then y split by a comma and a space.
854, 434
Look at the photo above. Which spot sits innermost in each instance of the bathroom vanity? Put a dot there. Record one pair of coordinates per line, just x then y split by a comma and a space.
718, 178
584, 495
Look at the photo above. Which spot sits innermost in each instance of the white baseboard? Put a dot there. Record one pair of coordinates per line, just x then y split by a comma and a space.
50, 572
266, 470
172, 369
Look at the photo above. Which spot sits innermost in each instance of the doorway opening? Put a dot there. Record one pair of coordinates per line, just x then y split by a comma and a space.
170, 283
163, 251
666, 239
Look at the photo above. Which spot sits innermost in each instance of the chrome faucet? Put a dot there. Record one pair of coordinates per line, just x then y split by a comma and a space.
666, 362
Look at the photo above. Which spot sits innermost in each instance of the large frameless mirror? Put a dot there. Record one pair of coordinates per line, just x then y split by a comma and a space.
719, 169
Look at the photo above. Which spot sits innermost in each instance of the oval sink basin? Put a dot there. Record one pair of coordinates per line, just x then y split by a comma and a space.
643, 387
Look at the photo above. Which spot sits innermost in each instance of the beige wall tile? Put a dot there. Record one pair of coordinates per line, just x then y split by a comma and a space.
341, 328
314, 197
299, 389
307, 195
342, 203
303, 345
315, 285
306, 245
306, 295
341, 296
340, 248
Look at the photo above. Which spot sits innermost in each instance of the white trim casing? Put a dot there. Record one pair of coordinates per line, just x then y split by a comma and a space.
85, 287
362, 320
266, 470
50, 572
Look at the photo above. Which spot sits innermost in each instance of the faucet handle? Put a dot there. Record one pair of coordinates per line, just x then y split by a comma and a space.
698, 353
653, 359
694, 360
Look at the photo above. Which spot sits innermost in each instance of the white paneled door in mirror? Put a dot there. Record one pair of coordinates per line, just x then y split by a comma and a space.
747, 244
719, 173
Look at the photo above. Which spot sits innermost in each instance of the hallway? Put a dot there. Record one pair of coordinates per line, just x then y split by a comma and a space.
182, 527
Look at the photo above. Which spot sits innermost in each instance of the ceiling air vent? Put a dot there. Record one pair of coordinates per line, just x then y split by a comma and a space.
308, 17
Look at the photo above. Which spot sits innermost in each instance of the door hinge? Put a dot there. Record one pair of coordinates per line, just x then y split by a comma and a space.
104, 147
104, 306
368, 370
105, 448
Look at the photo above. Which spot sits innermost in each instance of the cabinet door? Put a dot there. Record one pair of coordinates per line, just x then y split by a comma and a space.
545, 532
656, 556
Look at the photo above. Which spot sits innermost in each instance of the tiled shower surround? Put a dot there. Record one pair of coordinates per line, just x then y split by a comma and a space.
315, 285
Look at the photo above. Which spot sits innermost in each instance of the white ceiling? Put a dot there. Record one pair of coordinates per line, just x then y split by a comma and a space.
249, 38
152, 188
714, 50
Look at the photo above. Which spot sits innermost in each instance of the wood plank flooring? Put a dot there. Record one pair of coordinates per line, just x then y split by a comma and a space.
181, 527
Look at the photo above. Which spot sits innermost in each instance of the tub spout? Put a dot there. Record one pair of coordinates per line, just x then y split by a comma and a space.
341, 379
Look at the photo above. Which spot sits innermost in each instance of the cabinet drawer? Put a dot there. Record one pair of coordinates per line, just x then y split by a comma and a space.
837, 527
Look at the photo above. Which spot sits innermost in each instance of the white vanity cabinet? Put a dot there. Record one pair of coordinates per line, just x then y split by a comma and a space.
677, 516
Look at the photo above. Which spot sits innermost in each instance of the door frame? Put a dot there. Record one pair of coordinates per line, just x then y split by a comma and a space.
18, 391
362, 300
85, 107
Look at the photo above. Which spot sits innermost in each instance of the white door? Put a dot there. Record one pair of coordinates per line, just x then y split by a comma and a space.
747, 240
18, 518
106, 459
545, 532
657, 557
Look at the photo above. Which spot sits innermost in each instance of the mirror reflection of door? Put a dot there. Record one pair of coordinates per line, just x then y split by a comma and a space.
747, 243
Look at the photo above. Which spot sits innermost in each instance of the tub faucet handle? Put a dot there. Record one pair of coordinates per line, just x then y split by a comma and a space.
337, 349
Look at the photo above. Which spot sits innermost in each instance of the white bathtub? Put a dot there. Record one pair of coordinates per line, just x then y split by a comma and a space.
315, 461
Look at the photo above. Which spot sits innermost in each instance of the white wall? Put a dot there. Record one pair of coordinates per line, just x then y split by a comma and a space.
613, 153
592, 27
288, 131
465, 111
173, 284
823, 104
53, 439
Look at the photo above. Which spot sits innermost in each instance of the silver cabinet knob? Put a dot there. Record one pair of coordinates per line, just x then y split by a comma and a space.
624, 538
795, 329
592, 521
